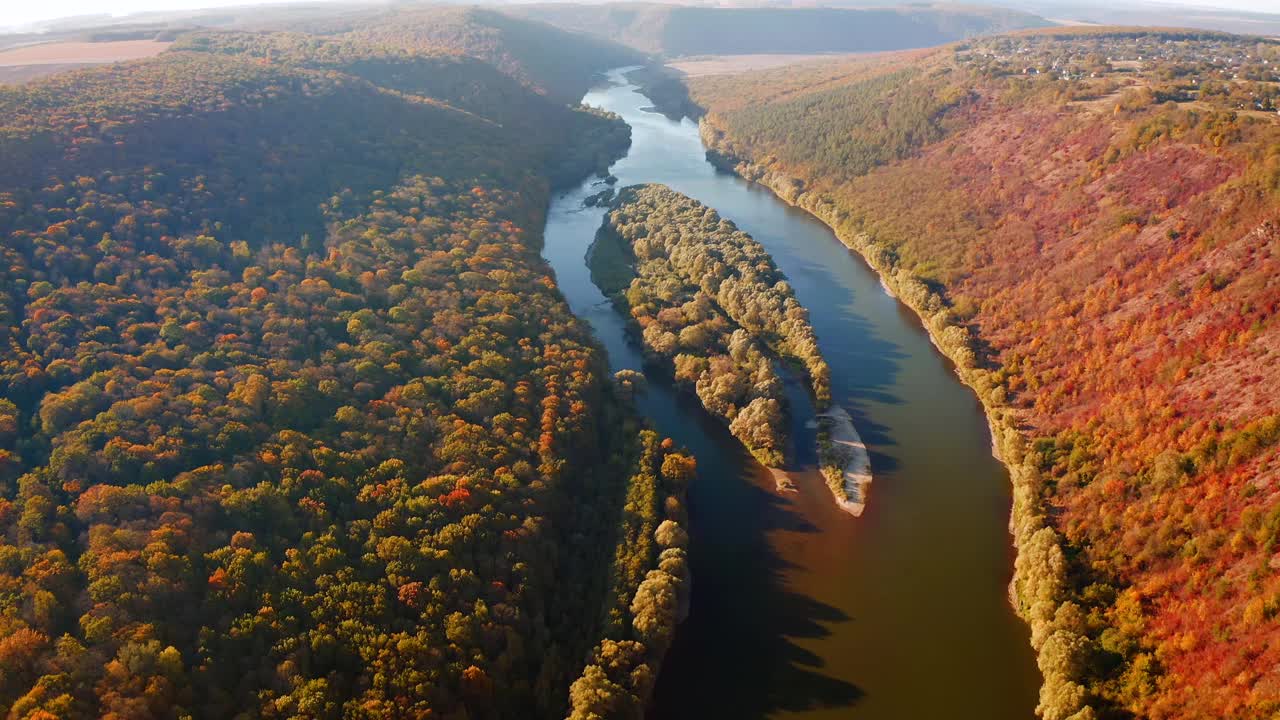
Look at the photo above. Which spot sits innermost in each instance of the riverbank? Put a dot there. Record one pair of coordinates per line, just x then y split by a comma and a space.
846, 465
1038, 588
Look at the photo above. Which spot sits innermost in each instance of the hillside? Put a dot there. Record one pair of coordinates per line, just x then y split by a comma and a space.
567, 143
1089, 222
553, 61
674, 30
293, 419
559, 64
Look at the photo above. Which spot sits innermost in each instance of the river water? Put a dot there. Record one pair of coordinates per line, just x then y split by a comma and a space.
800, 609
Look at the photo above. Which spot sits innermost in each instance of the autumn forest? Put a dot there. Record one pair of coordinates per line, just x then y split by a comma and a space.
295, 423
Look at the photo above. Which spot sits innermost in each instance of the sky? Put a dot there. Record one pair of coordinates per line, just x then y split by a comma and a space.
23, 12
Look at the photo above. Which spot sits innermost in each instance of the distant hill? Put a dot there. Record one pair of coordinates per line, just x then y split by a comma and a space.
1199, 14
552, 60
678, 30
558, 63
1145, 12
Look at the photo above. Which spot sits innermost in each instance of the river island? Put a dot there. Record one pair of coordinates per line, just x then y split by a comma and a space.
707, 302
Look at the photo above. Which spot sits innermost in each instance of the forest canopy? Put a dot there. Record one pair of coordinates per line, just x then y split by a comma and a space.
295, 422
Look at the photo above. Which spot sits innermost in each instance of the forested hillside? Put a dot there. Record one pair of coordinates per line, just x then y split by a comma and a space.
553, 61
674, 30
1089, 223
293, 419
567, 143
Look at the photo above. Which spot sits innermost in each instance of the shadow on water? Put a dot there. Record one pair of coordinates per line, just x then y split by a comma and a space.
736, 656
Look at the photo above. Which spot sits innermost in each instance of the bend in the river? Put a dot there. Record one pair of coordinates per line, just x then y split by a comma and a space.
799, 608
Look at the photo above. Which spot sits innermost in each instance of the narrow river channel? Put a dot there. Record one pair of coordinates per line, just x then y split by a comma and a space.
799, 608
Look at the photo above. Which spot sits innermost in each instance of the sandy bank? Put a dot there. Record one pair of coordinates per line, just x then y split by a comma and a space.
855, 462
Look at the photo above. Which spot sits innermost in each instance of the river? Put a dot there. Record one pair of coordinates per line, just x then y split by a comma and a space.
800, 609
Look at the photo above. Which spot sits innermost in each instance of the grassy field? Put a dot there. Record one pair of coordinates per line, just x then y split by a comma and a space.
28, 62
723, 64
81, 53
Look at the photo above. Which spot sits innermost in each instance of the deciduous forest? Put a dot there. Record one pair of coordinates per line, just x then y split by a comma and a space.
295, 422
1086, 220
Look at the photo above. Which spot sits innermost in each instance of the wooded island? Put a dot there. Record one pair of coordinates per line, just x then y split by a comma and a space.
707, 301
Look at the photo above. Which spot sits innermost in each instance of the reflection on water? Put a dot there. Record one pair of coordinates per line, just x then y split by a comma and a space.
799, 608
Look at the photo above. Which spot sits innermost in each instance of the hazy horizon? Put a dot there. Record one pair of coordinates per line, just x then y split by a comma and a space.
35, 14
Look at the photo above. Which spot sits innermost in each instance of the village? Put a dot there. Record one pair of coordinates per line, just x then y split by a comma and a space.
1225, 72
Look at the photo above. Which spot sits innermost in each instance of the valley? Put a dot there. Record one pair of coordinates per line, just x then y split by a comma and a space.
632, 360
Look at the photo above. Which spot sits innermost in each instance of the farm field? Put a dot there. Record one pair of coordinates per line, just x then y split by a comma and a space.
82, 53
28, 62
723, 64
